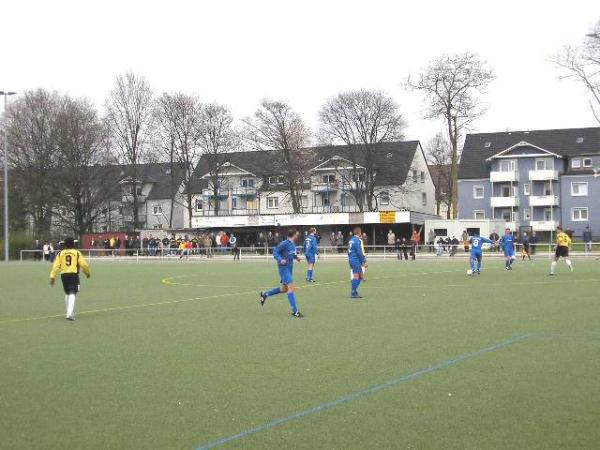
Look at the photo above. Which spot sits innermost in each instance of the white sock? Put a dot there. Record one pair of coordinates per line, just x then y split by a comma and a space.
71, 305
552, 267
569, 263
66, 303
364, 270
351, 275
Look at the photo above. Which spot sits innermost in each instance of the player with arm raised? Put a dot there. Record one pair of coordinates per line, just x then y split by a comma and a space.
285, 254
357, 260
477, 254
68, 263
563, 242
311, 251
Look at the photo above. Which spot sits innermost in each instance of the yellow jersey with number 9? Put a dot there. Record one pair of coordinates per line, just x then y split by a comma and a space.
69, 261
563, 240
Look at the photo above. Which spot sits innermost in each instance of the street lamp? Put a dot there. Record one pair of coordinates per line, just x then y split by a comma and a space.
6, 243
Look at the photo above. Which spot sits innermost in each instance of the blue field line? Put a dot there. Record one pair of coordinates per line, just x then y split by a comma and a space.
364, 392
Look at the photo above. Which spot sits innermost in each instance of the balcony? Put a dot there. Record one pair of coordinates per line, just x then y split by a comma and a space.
325, 187
128, 198
543, 225
504, 202
244, 192
543, 200
499, 177
221, 193
543, 175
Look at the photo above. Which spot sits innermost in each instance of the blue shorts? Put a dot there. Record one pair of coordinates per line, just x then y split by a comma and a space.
311, 259
285, 274
356, 266
476, 254
509, 252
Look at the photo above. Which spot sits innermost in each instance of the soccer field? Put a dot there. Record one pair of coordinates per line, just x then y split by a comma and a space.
181, 355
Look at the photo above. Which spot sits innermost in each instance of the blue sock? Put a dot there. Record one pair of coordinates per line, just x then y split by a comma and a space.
273, 291
309, 274
473, 264
292, 300
355, 283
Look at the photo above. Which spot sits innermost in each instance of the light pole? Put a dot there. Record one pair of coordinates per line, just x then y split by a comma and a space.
6, 242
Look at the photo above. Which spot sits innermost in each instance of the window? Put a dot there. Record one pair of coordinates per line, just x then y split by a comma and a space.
415, 176
548, 214
276, 180
199, 205
587, 162
422, 176
304, 201
479, 215
579, 188
505, 190
325, 200
526, 189
508, 165
424, 198
234, 203
544, 164
157, 210
579, 140
248, 182
272, 202
527, 214
487, 144
329, 178
579, 214
576, 163
358, 177
547, 187
384, 198
138, 190
478, 192
157, 226
515, 216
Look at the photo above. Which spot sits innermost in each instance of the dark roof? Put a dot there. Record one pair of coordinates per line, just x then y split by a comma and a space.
564, 142
159, 174
391, 159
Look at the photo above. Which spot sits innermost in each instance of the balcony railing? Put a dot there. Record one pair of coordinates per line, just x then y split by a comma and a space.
499, 177
221, 193
504, 202
226, 212
543, 175
128, 198
543, 225
244, 191
544, 200
325, 187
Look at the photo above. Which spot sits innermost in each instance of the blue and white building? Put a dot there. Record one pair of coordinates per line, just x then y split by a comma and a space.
536, 179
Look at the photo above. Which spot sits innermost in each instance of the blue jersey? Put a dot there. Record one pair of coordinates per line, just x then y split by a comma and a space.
508, 242
311, 246
355, 251
477, 242
285, 250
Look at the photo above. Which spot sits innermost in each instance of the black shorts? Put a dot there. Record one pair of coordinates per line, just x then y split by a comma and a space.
561, 251
70, 282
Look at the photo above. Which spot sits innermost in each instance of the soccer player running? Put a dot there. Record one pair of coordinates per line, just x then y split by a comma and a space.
68, 262
311, 251
563, 242
508, 245
357, 260
285, 254
476, 253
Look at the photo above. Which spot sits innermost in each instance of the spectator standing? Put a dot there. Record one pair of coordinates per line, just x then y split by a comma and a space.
225, 241
494, 237
587, 239
526, 247
466, 241
431, 240
339, 242
454, 245
391, 238
404, 245
533, 243
415, 239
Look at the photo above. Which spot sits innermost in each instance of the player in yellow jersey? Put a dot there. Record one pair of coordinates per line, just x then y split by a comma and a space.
68, 262
563, 242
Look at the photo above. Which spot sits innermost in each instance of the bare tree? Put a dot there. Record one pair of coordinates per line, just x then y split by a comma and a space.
181, 118
216, 138
130, 117
439, 158
583, 64
452, 85
32, 133
278, 128
82, 185
362, 119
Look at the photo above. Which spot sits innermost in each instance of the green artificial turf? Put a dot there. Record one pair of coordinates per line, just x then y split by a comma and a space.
177, 355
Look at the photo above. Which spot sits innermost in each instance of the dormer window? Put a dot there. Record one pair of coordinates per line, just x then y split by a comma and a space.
487, 144
587, 162
576, 163
579, 140
328, 179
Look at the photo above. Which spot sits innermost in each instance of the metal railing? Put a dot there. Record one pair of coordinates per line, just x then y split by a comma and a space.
379, 252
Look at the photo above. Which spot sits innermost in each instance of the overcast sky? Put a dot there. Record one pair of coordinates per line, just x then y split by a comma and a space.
237, 52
